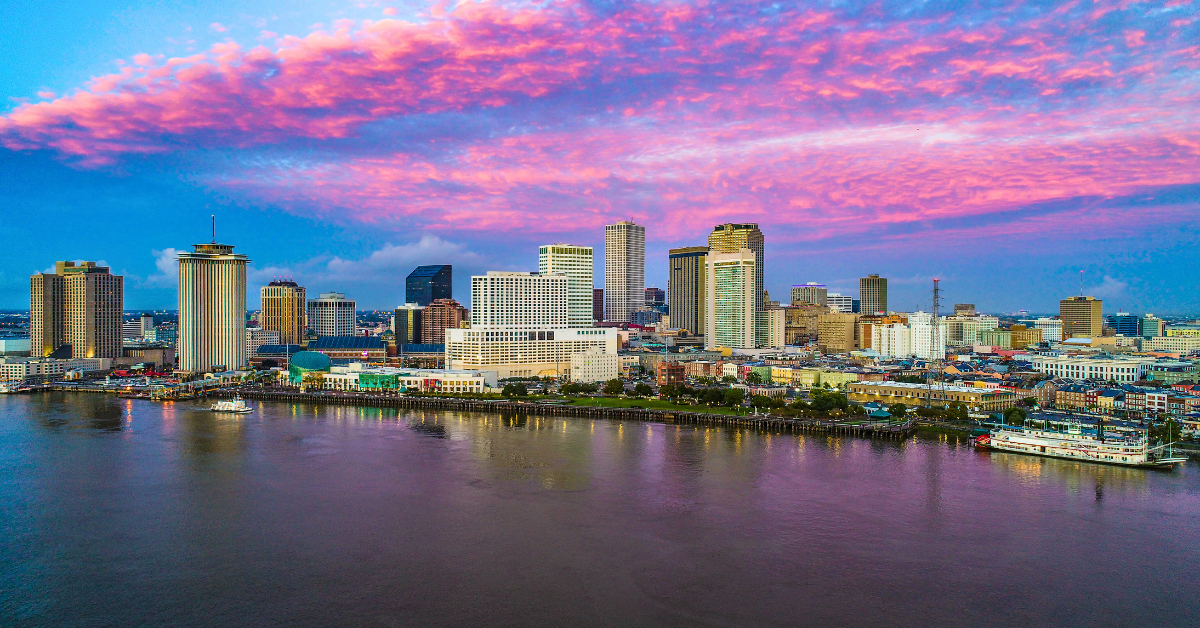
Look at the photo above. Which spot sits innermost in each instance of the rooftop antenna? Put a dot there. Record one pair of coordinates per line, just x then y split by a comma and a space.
1081, 283
214, 225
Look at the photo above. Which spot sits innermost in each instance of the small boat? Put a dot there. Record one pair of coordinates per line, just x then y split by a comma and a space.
1080, 443
236, 405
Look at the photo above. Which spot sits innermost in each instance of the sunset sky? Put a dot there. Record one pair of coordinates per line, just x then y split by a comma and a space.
1003, 147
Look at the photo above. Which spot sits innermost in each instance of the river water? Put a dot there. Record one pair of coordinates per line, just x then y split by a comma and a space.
132, 513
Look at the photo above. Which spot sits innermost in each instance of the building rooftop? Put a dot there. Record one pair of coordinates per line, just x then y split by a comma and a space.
346, 342
428, 271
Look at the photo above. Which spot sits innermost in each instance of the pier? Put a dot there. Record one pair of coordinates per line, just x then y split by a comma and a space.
764, 423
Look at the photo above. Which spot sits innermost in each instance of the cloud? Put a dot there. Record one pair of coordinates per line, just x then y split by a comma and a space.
218, 27
1110, 288
167, 269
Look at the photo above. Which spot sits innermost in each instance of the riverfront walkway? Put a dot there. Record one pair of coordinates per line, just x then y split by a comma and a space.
865, 429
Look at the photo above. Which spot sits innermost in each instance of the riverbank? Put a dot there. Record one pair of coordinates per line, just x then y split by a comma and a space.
865, 429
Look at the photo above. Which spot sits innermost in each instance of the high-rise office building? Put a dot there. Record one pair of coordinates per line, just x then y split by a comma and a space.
331, 314
655, 297
810, 294
426, 283
624, 270
1152, 326
76, 306
597, 304
733, 237
518, 300
284, 309
1125, 324
731, 289
1082, 317
406, 324
212, 308
872, 295
576, 263
685, 288
257, 337
137, 328
840, 302
439, 316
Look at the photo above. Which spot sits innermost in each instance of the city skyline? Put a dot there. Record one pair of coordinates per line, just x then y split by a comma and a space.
1023, 142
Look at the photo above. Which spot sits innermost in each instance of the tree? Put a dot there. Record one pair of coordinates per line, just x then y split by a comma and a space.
1029, 402
753, 378
729, 379
668, 391
1168, 432
760, 401
642, 390
515, 390
1014, 416
614, 387
734, 397
712, 396
777, 403
898, 410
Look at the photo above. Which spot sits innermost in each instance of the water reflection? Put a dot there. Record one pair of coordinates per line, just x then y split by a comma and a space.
203, 433
61, 411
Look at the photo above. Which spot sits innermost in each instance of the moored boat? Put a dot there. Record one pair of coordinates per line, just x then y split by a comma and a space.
235, 405
1080, 443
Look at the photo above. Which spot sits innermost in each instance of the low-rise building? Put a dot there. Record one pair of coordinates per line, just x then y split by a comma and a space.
671, 373
888, 393
356, 348
358, 376
1125, 369
20, 369
1182, 345
524, 352
594, 366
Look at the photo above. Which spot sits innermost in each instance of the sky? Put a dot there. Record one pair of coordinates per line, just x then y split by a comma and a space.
1007, 148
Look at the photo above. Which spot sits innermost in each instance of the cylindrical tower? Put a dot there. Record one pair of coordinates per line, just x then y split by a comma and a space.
212, 308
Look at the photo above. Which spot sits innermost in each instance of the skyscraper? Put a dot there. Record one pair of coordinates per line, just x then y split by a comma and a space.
1082, 317
730, 280
1125, 324
78, 306
519, 300
685, 288
576, 263
733, 237
212, 308
872, 294
810, 294
406, 324
840, 302
655, 297
284, 310
624, 270
597, 304
331, 314
426, 283
439, 316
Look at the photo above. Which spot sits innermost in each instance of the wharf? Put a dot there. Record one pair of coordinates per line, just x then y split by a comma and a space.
764, 423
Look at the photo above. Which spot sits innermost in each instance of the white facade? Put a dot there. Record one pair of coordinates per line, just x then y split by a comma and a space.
524, 353
407, 380
257, 337
1120, 370
730, 279
928, 341
624, 270
576, 262
964, 331
331, 314
512, 300
1051, 327
212, 308
594, 366
840, 302
18, 369
891, 341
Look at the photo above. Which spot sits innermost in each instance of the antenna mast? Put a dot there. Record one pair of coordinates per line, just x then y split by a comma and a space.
214, 226
935, 364
1080, 283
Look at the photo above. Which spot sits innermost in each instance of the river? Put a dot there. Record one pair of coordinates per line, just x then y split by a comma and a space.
133, 513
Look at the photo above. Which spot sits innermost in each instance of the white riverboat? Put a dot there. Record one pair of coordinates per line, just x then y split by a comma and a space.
235, 405
1080, 443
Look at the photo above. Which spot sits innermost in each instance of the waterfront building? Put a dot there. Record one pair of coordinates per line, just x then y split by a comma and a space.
575, 262
17, 369
889, 393
257, 337
594, 366
731, 282
837, 332
332, 314
872, 294
685, 288
284, 309
1123, 370
597, 305
76, 311
428, 283
670, 373
840, 302
624, 270
810, 294
733, 238
350, 348
1082, 317
519, 300
406, 324
440, 315
212, 309
524, 352
359, 377
1125, 324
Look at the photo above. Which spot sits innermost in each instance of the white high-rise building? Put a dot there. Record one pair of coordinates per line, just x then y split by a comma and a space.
518, 300
212, 308
624, 270
732, 290
331, 314
928, 340
576, 263
840, 302
891, 341
1051, 326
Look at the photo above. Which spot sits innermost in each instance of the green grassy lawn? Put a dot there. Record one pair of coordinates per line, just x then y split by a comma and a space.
649, 404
